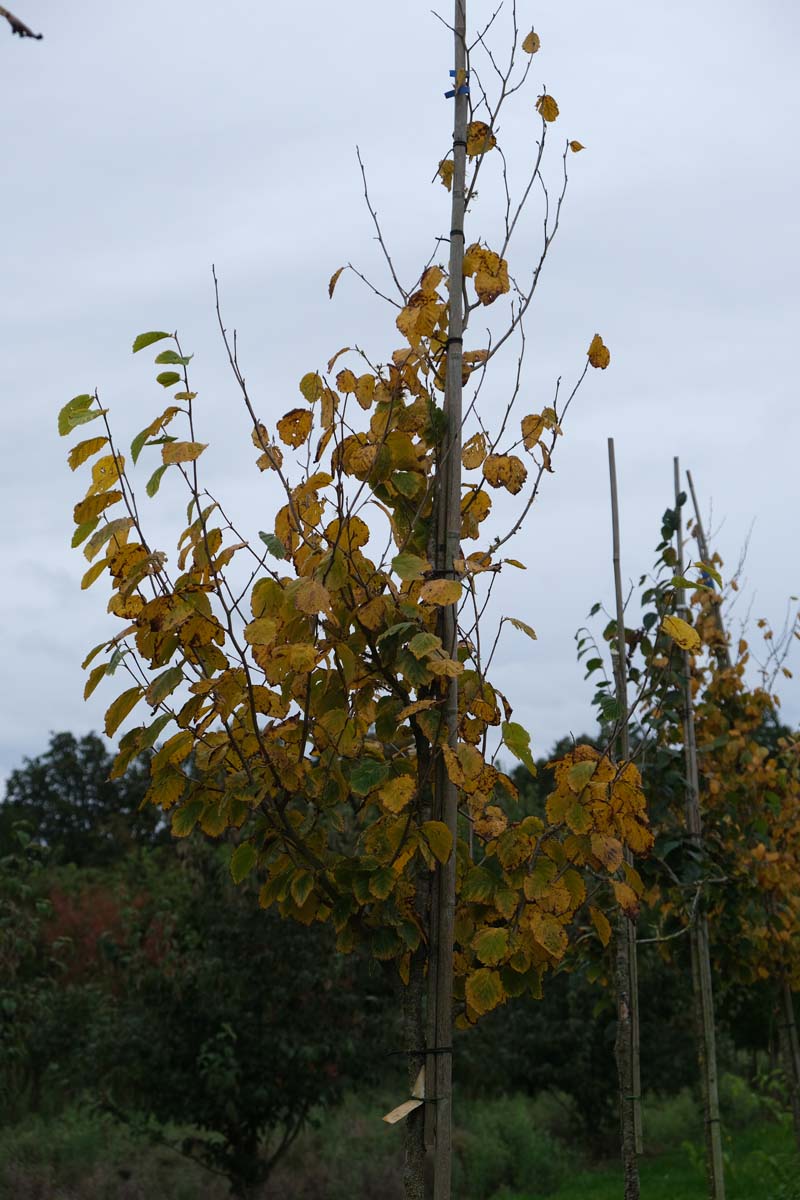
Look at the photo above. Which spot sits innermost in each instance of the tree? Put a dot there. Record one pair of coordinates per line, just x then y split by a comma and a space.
66, 797
328, 684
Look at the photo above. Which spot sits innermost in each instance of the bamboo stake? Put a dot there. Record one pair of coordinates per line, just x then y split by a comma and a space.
698, 934
627, 974
439, 1075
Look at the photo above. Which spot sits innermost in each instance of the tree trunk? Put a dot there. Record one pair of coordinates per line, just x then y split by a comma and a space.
624, 1055
627, 973
790, 1051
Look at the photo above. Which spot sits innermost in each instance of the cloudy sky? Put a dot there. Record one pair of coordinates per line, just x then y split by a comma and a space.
142, 142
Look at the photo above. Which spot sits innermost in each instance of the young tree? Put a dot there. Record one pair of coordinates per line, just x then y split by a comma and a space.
329, 685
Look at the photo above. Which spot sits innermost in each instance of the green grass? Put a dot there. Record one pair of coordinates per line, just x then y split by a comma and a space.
760, 1165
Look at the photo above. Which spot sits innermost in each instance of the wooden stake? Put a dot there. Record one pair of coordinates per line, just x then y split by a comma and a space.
698, 933
448, 535
627, 975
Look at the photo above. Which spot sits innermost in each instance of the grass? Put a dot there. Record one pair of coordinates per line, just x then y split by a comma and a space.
506, 1149
760, 1165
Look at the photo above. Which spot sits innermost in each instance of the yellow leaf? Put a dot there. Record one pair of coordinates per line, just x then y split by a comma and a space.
92, 506
626, 898
576, 146
600, 922
180, 452
417, 706
608, 850
531, 43
271, 459
397, 793
474, 451
93, 573
505, 470
533, 427
312, 597
261, 632
445, 172
681, 632
521, 625
547, 108
439, 838
491, 945
440, 591
490, 272
346, 381
483, 990
599, 354
106, 473
295, 426
78, 454
480, 139
549, 933
365, 390
333, 281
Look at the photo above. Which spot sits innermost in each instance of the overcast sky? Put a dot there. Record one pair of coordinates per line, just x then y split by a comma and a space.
142, 142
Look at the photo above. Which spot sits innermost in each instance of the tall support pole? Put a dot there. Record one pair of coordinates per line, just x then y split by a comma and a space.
627, 973
439, 1074
698, 934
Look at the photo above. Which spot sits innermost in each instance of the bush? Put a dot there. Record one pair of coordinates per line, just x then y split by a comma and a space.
500, 1151
669, 1121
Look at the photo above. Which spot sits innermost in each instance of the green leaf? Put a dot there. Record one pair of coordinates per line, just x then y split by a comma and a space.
120, 709
137, 444
168, 378
382, 882
76, 412
151, 732
301, 887
408, 483
184, 819
491, 945
273, 544
402, 627
174, 359
243, 860
163, 684
424, 644
104, 534
83, 531
484, 990
580, 774
410, 566
147, 339
154, 481
518, 741
479, 884
439, 838
367, 774
95, 675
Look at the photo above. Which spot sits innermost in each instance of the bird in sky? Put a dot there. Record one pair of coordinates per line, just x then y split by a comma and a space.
17, 26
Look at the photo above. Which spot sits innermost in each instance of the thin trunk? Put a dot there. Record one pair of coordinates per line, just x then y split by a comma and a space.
723, 650
627, 1040
790, 1051
698, 934
439, 1065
